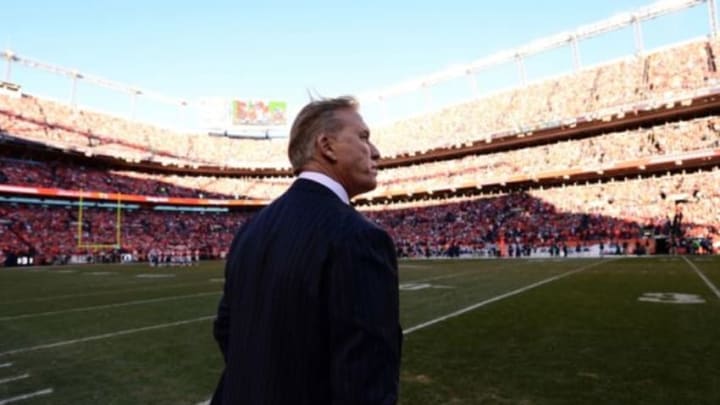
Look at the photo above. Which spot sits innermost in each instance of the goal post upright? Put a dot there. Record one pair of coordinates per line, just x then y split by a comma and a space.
118, 222
118, 226
79, 220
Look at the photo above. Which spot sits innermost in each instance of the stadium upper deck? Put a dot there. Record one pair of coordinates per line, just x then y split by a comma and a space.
675, 75
669, 142
642, 81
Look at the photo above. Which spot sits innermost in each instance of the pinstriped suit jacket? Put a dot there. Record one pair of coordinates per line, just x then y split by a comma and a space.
309, 313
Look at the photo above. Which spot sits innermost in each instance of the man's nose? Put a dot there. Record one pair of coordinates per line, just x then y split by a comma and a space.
374, 152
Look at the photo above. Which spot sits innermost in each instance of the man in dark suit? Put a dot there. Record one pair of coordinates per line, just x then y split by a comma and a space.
309, 313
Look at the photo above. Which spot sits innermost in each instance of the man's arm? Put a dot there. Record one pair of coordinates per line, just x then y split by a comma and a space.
221, 325
365, 334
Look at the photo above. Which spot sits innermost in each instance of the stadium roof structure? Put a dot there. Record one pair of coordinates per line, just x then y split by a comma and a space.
540, 45
571, 38
10, 56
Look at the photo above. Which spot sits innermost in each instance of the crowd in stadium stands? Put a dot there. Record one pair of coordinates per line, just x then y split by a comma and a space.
596, 92
572, 215
586, 154
648, 201
67, 176
76, 177
599, 93
560, 217
51, 234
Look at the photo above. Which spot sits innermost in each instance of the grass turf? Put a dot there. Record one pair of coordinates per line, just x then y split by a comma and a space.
581, 337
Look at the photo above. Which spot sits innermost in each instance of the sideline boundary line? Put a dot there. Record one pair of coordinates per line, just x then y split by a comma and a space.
703, 277
500, 297
116, 305
105, 336
46, 391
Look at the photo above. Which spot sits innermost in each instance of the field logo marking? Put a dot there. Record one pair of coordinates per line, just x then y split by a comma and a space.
500, 297
26, 396
671, 298
703, 277
420, 286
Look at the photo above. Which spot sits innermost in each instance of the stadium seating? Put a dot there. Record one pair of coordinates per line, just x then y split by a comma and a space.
578, 214
595, 92
586, 154
51, 233
571, 215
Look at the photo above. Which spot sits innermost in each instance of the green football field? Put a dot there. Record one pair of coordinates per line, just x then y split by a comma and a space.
525, 331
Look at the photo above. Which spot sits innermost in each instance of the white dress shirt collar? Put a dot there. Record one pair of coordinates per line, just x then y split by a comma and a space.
328, 182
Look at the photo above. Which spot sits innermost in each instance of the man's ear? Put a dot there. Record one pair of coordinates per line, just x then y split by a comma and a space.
325, 145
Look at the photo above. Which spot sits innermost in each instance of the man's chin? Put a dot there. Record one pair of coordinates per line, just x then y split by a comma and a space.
369, 187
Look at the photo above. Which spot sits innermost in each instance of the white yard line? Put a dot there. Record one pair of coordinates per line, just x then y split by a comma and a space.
105, 335
498, 298
14, 378
3, 365
120, 304
52, 298
703, 277
26, 396
443, 277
